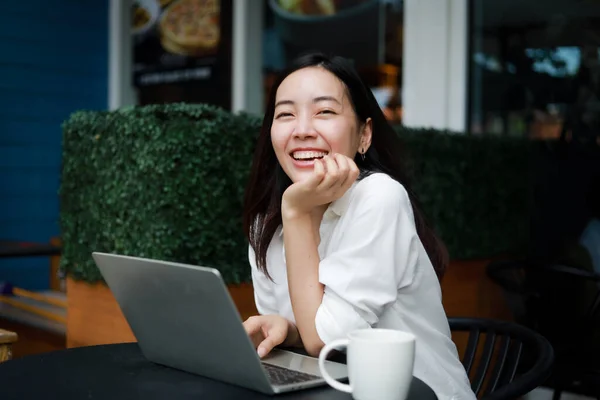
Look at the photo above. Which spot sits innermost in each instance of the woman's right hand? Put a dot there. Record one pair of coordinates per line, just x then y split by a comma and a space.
268, 331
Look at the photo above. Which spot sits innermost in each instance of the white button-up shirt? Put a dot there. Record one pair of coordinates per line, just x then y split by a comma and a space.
376, 273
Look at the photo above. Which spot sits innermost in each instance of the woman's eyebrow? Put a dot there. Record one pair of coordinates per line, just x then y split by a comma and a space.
326, 98
283, 102
315, 100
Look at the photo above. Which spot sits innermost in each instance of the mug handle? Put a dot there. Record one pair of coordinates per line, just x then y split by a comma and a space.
323, 355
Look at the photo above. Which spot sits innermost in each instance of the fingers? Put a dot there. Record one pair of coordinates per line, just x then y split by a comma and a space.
252, 325
253, 328
317, 175
343, 163
265, 347
274, 338
265, 333
341, 173
332, 173
353, 173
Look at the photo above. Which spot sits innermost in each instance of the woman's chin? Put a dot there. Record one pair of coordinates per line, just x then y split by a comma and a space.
301, 175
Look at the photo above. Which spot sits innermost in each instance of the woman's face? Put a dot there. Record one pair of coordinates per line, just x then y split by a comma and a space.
314, 117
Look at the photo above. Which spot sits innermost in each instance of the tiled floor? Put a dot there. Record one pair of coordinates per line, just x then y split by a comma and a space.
546, 394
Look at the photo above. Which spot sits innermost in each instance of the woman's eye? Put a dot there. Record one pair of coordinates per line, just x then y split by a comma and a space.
283, 114
326, 112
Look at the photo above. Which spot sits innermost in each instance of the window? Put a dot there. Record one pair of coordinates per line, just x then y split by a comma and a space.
369, 32
534, 68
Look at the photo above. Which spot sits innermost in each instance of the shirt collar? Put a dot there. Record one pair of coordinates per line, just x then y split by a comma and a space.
339, 206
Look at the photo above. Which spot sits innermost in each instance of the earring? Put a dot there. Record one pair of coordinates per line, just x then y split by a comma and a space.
362, 154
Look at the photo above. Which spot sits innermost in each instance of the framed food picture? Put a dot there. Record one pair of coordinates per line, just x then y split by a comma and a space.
177, 41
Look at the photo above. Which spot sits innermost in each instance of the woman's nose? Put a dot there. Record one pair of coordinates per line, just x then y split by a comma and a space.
304, 129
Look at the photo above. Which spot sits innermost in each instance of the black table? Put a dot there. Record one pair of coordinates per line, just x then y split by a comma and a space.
120, 371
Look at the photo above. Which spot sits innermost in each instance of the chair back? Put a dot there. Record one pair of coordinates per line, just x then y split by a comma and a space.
561, 302
511, 361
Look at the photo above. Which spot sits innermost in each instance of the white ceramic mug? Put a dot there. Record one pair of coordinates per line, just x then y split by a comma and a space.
380, 364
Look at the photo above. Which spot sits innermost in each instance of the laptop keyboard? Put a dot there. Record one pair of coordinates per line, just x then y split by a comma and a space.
283, 376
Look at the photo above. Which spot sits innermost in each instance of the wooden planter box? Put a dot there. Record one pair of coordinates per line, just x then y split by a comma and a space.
94, 317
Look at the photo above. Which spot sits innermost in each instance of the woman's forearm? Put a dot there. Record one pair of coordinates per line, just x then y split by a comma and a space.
306, 292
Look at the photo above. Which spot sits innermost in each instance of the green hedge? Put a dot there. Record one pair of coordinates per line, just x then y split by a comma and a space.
476, 190
162, 181
167, 182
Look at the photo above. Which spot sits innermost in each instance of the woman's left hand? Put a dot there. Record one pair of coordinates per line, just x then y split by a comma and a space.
332, 176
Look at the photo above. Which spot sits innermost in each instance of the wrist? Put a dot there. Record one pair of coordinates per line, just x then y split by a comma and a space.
293, 213
293, 336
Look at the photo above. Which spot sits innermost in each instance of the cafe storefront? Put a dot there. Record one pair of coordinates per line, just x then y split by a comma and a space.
412, 54
485, 67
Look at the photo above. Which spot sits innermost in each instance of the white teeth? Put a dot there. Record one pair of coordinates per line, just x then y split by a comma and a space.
307, 155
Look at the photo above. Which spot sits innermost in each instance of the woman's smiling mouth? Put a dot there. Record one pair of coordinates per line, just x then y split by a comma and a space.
304, 155
305, 158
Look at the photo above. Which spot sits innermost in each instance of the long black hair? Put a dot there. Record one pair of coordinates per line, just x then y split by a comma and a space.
268, 181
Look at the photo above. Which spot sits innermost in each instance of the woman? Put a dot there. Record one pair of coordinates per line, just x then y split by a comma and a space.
336, 240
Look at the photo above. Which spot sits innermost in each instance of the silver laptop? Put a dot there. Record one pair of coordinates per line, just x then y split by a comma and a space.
183, 317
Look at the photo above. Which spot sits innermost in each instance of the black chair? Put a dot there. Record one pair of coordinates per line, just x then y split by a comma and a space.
513, 360
562, 303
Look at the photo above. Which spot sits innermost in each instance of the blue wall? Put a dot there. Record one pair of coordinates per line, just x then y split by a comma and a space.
53, 61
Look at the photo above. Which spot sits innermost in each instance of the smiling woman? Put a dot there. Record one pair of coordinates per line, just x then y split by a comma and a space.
337, 241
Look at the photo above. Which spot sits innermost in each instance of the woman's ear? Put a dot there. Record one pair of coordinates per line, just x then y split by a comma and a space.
365, 136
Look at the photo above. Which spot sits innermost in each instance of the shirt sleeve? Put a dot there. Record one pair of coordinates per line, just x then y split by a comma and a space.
264, 298
374, 258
